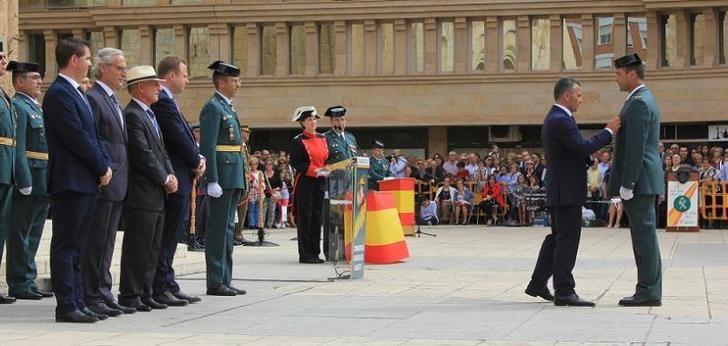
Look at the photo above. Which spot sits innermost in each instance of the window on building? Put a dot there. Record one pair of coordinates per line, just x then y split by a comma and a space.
297, 54
36, 49
130, 46
198, 55
386, 48
540, 44
477, 45
669, 40
327, 48
96, 41
508, 44
723, 34
572, 37
163, 43
604, 50
139, 3
356, 56
697, 38
637, 36
416, 47
268, 51
240, 47
447, 47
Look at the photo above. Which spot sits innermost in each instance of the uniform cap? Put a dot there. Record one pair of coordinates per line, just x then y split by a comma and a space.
220, 67
377, 144
335, 111
22, 67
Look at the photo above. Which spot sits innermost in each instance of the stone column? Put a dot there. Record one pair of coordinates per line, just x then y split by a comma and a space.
523, 44
283, 48
111, 37
23, 47
587, 42
431, 41
710, 41
146, 45
370, 47
253, 50
400, 47
462, 47
51, 67
619, 38
492, 45
181, 41
682, 21
312, 61
654, 39
78, 34
341, 46
437, 140
220, 44
556, 43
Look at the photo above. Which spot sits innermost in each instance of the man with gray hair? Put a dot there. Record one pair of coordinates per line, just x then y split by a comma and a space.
110, 75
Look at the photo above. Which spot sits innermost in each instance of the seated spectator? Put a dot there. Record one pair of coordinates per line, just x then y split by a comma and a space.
462, 173
530, 170
463, 200
707, 172
450, 166
492, 196
444, 197
723, 176
434, 172
428, 213
472, 165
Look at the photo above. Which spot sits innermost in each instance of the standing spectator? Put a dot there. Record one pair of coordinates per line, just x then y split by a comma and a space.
273, 185
519, 197
398, 165
594, 181
255, 198
723, 176
286, 180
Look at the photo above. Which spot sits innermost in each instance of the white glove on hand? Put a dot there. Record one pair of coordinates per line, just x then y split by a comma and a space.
214, 190
625, 194
322, 172
26, 190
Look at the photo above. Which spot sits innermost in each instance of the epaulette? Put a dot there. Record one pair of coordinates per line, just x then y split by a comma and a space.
298, 136
638, 97
319, 135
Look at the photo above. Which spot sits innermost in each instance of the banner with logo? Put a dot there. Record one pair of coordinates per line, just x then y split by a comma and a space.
682, 204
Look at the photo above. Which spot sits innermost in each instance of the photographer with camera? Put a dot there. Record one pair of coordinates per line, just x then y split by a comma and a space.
397, 164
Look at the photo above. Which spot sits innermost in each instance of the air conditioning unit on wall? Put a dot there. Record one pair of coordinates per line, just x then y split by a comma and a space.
504, 133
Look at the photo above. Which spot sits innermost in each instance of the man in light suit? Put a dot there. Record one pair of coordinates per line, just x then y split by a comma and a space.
78, 165
110, 78
188, 164
567, 153
152, 177
7, 161
637, 177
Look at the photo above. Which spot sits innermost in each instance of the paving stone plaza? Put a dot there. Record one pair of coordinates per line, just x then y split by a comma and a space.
463, 287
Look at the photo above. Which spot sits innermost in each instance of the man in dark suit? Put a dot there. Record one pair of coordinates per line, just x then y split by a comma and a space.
637, 177
77, 165
152, 177
188, 164
567, 153
110, 78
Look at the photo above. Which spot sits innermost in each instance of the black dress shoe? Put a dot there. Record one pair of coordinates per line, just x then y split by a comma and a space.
314, 260
123, 309
44, 294
149, 301
28, 295
636, 301
101, 308
542, 292
168, 299
6, 299
572, 300
221, 290
237, 291
88, 312
75, 316
135, 304
182, 295
195, 247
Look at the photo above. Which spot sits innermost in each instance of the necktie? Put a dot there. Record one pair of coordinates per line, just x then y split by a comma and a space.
83, 96
154, 121
118, 108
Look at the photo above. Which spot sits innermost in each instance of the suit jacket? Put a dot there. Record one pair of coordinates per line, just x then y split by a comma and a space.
567, 154
149, 164
178, 140
637, 164
77, 157
113, 135
219, 125
30, 137
7, 130
340, 148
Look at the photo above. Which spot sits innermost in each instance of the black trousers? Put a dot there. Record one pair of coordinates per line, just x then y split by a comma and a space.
558, 251
140, 252
176, 216
71, 224
99, 251
309, 201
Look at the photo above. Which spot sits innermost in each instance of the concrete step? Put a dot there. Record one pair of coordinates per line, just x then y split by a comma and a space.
184, 262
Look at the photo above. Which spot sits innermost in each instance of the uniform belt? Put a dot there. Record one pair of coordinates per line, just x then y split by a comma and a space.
36, 155
229, 148
8, 142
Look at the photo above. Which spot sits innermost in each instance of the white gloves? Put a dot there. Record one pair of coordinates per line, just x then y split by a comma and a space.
322, 172
625, 194
214, 190
26, 190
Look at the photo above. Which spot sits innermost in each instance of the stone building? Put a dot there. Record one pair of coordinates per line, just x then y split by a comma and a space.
423, 75
9, 32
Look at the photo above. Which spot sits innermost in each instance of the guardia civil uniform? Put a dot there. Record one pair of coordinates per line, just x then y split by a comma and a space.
378, 167
637, 167
221, 143
7, 163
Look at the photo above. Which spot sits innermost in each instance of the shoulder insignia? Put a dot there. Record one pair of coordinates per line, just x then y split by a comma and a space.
638, 97
298, 136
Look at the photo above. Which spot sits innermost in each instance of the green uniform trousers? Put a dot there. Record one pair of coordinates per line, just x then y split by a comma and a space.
6, 193
642, 224
28, 219
219, 236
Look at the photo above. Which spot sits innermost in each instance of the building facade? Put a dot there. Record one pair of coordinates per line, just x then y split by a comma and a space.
423, 75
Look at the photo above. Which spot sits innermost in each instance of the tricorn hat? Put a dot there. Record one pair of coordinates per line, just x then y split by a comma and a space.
221, 68
141, 73
303, 112
335, 111
628, 60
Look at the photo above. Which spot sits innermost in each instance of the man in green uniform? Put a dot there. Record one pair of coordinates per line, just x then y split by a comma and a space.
222, 145
342, 146
637, 177
378, 165
30, 200
7, 158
